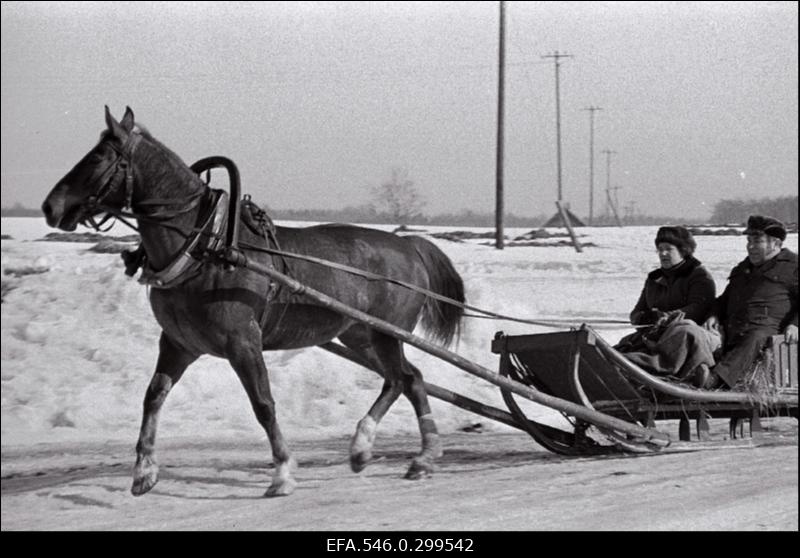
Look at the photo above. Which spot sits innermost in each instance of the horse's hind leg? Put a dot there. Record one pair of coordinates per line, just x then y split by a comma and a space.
382, 352
245, 356
400, 376
172, 362
414, 390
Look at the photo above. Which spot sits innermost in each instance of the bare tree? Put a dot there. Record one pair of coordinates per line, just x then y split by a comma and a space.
398, 197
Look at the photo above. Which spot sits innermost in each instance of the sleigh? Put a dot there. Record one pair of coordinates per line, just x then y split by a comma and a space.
580, 366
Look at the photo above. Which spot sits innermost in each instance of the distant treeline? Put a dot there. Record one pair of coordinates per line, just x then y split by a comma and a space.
737, 211
18, 211
368, 215
725, 212
361, 214
464, 219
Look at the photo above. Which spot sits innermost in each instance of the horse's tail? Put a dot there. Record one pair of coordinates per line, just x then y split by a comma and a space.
441, 320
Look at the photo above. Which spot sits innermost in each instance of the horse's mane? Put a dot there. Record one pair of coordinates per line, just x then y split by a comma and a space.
144, 132
156, 166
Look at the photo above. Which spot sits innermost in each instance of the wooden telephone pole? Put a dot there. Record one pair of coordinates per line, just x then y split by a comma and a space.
566, 215
556, 57
592, 110
498, 212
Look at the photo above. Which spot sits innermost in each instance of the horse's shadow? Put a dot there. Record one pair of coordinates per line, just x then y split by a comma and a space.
386, 465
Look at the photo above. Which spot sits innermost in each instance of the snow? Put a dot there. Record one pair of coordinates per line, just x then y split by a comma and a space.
79, 342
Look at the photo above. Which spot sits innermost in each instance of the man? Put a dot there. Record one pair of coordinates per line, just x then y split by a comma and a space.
759, 301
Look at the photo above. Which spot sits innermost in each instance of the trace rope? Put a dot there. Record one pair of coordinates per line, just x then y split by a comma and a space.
376, 277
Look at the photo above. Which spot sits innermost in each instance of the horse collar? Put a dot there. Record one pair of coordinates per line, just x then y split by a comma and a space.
187, 260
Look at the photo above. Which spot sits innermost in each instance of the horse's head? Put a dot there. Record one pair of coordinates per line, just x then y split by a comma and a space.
102, 179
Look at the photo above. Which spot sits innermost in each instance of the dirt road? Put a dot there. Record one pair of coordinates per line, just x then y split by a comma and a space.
483, 482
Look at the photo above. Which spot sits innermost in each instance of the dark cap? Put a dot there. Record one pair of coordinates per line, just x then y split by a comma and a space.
758, 224
680, 237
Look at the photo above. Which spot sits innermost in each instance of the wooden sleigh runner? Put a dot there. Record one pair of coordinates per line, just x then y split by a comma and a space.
580, 366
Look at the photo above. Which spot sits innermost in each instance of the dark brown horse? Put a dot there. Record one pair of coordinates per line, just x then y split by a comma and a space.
209, 308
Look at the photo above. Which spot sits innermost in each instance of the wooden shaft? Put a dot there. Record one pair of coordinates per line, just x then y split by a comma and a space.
433, 390
568, 407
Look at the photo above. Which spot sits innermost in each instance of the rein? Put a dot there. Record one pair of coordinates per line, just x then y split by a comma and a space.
484, 314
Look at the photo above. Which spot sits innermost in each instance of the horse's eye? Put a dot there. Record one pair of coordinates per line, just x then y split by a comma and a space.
99, 155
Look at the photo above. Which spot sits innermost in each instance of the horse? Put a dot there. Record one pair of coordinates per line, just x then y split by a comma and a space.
205, 306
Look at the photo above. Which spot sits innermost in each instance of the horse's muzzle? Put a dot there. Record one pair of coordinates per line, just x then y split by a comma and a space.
58, 216
50, 214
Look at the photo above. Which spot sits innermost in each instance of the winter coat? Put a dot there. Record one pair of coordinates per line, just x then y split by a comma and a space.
760, 297
688, 287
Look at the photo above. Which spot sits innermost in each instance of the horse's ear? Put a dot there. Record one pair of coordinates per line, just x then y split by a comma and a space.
127, 120
113, 126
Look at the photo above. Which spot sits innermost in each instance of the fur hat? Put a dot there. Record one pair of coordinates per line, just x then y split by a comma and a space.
680, 237
758, 224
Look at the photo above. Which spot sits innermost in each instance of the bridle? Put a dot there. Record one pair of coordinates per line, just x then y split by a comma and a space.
120, 172
109, 180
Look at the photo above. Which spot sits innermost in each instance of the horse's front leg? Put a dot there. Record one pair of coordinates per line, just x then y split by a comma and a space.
244, 354
172, 362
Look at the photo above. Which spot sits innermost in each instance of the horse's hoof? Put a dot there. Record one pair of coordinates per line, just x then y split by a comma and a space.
281, 489
143, 484
145, 475
432, 446
419, 469
359, 461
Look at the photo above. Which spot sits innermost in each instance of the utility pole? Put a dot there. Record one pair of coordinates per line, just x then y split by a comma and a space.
498, 212
592, 110
556, 57
630, 212
609, 202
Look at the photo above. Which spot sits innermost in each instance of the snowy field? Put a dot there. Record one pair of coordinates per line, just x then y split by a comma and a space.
79, 342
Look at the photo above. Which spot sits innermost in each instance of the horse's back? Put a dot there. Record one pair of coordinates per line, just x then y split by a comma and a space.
363, 248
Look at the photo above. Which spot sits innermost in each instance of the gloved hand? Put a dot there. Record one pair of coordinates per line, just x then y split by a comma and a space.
663, 318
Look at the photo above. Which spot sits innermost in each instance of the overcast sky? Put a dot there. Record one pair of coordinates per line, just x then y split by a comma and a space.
317, 102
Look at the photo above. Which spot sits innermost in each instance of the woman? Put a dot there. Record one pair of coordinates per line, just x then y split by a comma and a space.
676, 298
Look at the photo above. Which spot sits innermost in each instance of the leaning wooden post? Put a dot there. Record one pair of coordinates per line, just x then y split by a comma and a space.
568, 224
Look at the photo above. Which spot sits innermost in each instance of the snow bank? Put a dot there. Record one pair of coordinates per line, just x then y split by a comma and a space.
79, 342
